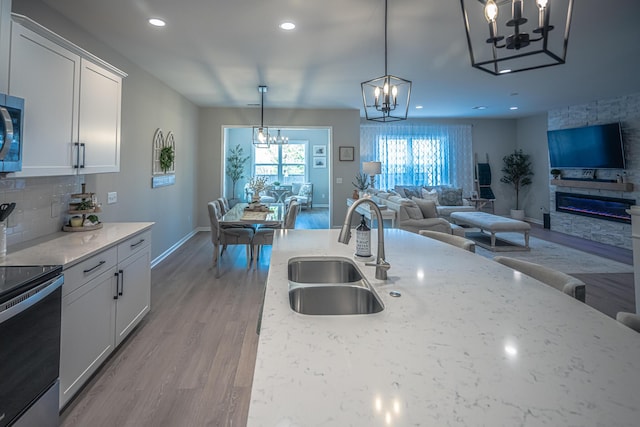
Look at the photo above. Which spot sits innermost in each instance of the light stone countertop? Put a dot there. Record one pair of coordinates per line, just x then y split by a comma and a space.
469, 343
69, 248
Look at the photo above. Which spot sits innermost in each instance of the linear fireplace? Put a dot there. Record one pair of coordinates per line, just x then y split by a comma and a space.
609, 208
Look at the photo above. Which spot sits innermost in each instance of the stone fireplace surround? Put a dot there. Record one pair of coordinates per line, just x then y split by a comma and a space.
626, 110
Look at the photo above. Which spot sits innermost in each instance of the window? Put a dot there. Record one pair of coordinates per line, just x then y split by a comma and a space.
419, 155
283, 163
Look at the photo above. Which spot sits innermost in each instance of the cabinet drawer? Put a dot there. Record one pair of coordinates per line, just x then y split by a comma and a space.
81, 273
133, 245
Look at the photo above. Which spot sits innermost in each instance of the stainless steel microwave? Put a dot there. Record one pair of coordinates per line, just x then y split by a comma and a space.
11, 122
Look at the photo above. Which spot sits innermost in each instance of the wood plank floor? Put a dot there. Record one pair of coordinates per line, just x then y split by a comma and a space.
191, 361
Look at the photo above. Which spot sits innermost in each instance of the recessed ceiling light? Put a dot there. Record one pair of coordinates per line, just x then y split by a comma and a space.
513, 108
419, 107
156, 22
505, 71
480, 107
287, 26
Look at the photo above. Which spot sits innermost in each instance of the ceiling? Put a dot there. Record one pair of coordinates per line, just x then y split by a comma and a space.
216, 53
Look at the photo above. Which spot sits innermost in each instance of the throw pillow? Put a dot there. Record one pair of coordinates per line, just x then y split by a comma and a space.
430, 195
414, 212
428, 207
412, 192
400, 190
451, 197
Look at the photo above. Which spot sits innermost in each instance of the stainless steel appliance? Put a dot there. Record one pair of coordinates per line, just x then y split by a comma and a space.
11, 123
30, 307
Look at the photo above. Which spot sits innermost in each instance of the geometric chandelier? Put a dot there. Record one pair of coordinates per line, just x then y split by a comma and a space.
261, 133
503, 40
386, 98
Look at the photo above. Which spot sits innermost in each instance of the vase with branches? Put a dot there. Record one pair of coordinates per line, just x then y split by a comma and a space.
235, 166
517, 172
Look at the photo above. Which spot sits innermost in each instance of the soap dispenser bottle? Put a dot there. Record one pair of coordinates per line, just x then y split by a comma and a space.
363, 239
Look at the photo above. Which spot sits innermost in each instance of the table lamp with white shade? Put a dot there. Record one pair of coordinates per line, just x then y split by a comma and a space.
372, 169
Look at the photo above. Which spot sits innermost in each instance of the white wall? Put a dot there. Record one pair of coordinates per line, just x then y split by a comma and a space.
532, 139
147, 104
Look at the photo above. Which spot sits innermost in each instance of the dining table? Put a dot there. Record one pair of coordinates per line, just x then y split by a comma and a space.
271, 214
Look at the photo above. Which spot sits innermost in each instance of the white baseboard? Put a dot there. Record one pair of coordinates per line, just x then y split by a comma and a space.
175, 247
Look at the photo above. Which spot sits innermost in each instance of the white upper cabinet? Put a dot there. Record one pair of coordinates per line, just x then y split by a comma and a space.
47, 76
5, 41
99, 124
72, 104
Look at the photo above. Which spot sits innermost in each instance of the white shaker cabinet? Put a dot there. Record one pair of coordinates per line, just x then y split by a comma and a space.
134, 283
88, 320
104, 297
5, 37
72, 104
47, 76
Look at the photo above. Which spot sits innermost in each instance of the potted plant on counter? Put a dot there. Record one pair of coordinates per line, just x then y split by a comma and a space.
517, 172
361, 183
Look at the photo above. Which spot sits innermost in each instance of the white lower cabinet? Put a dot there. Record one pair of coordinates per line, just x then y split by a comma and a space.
88, 332
134, 277
104, 298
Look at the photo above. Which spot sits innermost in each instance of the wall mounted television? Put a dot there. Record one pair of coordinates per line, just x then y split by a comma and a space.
590, 147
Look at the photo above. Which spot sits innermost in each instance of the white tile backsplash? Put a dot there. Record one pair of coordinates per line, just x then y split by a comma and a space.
38, 200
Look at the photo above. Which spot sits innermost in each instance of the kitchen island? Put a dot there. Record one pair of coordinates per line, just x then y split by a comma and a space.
469, 342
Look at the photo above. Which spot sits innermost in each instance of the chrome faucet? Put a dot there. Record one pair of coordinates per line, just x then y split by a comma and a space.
345, 234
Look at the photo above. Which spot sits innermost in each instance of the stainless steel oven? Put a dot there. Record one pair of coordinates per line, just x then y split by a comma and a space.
30, 307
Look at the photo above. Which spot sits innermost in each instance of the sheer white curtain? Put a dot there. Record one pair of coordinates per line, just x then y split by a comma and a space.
414, 154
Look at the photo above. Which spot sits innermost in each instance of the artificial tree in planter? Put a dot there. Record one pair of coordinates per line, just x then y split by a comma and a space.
517, 171
235, 167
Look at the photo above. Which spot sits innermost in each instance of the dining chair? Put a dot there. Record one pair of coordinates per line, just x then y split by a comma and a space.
632, 320
554, 278
291, 215
221, 237
461, 242
223, 206
264, 233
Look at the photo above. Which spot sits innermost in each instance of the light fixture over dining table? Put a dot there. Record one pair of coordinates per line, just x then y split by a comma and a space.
261, 133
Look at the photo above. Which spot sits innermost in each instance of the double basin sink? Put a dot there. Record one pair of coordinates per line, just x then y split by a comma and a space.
330, 286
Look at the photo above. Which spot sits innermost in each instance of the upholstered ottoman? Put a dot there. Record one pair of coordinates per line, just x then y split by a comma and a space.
493, 224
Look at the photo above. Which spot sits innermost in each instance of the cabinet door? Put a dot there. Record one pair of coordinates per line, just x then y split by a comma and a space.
87, 335
99, 131
47, 76
5, 37
134, 297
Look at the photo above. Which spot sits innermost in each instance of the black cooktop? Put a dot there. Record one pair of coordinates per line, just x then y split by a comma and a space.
17, 279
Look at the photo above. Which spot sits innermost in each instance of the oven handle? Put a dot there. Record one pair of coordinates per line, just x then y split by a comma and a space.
38, 294
8, 132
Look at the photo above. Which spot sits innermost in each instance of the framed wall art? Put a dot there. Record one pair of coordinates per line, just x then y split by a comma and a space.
319, 150
320, 162
345, 154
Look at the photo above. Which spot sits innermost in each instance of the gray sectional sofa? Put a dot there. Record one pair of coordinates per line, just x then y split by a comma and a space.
448, 199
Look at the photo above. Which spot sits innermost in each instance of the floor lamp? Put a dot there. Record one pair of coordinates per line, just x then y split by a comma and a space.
372, 169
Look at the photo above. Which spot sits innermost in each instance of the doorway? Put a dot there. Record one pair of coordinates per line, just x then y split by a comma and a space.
305, 159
